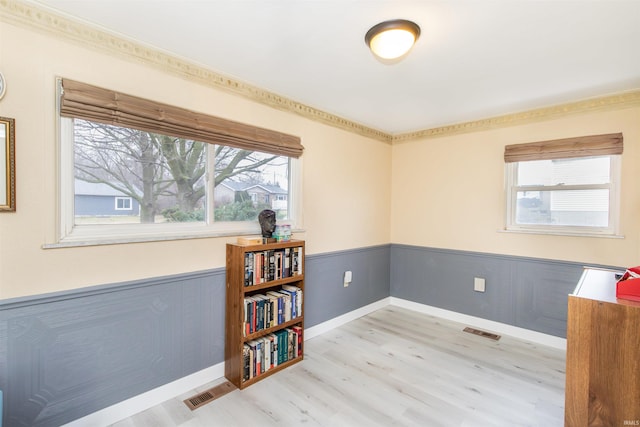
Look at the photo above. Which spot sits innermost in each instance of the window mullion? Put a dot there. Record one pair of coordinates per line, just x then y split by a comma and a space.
210, 183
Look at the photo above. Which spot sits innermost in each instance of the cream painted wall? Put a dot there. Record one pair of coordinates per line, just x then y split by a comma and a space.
346, 195
444, 192
448, 192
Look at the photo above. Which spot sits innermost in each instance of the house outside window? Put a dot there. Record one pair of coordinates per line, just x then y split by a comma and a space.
571, 192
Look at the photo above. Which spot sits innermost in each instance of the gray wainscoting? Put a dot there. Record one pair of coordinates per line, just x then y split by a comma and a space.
529, 293
68, 354
326, 296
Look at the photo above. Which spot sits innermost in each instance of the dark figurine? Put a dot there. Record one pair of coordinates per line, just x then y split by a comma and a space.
267, 220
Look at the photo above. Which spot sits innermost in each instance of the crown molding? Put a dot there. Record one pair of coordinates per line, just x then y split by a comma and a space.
50, 23
605, 103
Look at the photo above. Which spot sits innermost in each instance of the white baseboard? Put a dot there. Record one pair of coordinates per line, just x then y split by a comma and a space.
323, 327
129, 407
144, 401
490, 325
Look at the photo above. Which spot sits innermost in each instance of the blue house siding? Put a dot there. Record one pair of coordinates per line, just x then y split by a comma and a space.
99, 199
86, 205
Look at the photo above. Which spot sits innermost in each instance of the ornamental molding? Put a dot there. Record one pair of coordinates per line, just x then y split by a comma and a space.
50, 23
28, 15
606, 103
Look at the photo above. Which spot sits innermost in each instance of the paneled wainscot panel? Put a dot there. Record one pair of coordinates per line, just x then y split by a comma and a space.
530, 293
79, 352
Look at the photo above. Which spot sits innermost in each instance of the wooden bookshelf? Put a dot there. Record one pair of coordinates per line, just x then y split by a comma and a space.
252, 271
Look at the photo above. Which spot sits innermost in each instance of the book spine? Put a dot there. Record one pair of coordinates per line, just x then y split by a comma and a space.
267, 353
280, 309
246, 322
254, 315
252, 359
290, 343
272, 265
287, 307
298, 332
259, 358
287, 262
265, 266
256, 281
246, 371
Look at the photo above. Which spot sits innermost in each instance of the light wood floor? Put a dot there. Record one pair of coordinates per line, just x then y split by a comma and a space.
394, 367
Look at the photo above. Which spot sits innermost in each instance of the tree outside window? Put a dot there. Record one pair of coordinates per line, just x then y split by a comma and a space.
169, 176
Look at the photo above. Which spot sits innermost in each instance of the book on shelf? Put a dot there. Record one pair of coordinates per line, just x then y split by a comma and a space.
254, 358
291, 341
274, 349
266, 345
264, 311
248, 269
246, 372
250, 240
298, 332
278, 309
283, 263
273, 264
296, 293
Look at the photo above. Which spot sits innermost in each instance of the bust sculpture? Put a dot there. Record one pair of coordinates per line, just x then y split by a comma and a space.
267, 220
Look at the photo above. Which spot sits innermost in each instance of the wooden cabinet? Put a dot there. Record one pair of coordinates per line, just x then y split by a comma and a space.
603, 355
264, 311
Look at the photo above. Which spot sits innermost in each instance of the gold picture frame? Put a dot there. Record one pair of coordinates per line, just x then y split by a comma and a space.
7, 164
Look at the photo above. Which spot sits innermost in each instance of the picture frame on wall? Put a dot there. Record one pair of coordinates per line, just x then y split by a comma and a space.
7, 165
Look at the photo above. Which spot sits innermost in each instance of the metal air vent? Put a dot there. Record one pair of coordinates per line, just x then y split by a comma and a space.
208, 396
482, 333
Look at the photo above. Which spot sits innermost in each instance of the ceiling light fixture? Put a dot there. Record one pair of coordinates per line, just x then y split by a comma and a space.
392, 39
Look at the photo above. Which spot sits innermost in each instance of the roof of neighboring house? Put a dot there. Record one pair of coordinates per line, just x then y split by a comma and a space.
233, 185
271, 189
243, 186
85, 188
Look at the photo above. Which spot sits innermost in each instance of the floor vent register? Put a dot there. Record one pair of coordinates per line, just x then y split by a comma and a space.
209, 396
485, 334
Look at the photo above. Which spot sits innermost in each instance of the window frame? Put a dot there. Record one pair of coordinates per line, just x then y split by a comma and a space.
69, 234
126, 200
612, 230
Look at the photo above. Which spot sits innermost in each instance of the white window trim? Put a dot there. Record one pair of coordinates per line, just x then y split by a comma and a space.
614, 206
129, 199
70, 235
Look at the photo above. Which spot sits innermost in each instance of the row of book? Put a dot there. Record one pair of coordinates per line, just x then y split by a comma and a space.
275, 264
261, 355
263, 311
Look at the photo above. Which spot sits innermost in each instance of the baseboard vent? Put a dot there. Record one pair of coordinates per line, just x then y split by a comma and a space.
482, 333
209, 396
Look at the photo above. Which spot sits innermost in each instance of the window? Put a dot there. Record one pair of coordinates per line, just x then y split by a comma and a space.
564, 186
172, 184
122, 203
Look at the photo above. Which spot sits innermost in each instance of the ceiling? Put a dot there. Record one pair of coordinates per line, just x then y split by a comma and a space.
475, 58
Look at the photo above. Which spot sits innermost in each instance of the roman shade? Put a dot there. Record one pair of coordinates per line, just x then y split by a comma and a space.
83, 101
583, 146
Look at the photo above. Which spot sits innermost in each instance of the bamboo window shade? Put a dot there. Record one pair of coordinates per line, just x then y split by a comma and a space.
583, 146
84, 101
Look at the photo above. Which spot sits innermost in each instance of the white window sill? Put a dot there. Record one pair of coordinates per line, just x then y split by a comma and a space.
84, 237
562, 233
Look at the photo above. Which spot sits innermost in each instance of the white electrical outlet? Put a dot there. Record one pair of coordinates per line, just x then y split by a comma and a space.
347, 278
478, 284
